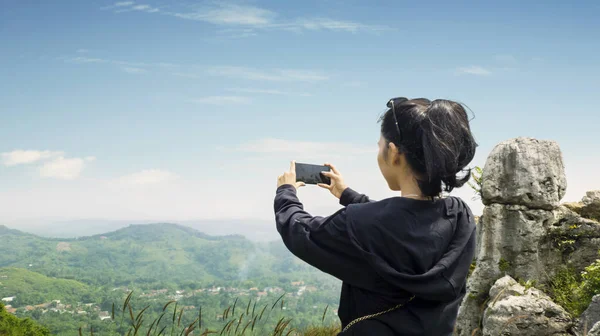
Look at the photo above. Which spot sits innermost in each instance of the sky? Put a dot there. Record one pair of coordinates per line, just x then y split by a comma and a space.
188, 110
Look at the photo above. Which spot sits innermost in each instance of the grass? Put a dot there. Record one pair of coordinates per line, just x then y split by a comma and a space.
248, 321
504, 265
574, 291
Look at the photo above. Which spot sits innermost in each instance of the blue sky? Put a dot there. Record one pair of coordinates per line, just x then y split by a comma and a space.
190, 109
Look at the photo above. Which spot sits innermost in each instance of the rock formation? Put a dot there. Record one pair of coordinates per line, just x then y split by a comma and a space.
516, 310
590, 317
525, 233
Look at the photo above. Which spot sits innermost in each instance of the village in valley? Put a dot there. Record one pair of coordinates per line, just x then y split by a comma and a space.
156, 295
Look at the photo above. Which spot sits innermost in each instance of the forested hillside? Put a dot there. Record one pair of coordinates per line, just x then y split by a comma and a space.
45, 277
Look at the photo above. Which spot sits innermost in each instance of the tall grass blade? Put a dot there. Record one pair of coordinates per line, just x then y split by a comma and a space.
168, 303
324, 312
261, 313
281, 297
179, 320
141, 313
190, 328
246, 327
200, 319
160, 318
151, 326
234, 304
238, 325
130, 313
127, 301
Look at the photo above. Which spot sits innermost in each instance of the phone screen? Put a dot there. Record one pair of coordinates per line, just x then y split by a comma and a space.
311, 174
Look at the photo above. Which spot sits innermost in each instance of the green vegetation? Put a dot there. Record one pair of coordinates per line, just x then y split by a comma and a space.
237, 319
504, 265
574, 291
13, 326
32, 288
472, 268
159, 262
476, 175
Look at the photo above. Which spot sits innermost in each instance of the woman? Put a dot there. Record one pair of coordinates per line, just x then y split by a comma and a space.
403, 260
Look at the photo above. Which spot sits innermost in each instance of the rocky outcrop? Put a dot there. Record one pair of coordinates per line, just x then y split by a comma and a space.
595, 331
589, 207
590, 318
525, 171
574, 238
516, 310
522, 184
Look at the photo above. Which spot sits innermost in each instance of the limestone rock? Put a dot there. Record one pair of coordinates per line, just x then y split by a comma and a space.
595, 331
574, 206
591, 197
591, 205
525, 171
591, 316
577, 239
512, 240
516, 310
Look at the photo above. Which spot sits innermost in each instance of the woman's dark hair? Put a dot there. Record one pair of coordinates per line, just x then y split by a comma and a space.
436, 138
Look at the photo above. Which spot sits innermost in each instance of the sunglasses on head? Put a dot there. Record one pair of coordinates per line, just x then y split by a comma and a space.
391, 104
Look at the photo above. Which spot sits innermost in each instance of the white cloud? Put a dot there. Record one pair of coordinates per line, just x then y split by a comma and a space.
127, 66
123, 3
474, 70
272, 75
268, 92
18, 156
304, 148
230, 14
150, 176
140, 7
64, 169
145, 8
222, 100
133, 70
334, 25
87, 60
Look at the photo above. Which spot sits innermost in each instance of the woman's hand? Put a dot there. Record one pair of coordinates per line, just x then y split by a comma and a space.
289, 177
337, 185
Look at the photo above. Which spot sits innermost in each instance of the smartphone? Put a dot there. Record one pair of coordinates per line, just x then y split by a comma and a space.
311, 174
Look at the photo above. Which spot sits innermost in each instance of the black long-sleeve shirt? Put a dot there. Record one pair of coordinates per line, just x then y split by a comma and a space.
385, 252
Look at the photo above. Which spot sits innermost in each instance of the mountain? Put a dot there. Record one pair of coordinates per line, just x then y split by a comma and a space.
33, 288
148, 255
255, 230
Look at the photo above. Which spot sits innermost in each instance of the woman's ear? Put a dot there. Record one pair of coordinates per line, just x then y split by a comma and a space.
393, 153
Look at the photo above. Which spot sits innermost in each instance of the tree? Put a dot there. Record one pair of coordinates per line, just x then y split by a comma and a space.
11, 325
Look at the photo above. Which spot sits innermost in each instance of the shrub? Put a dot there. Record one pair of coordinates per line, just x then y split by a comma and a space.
574, 291
12, 326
